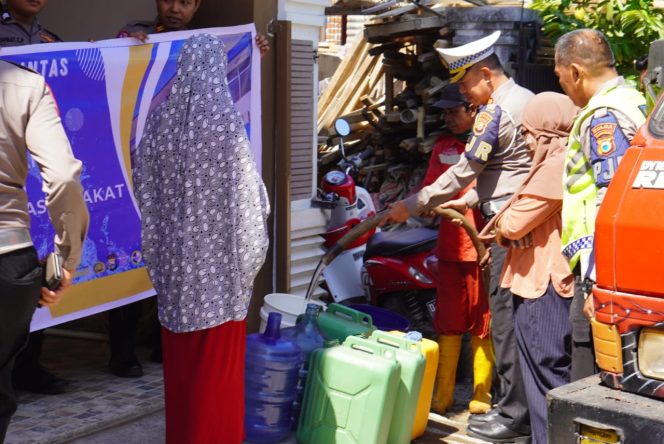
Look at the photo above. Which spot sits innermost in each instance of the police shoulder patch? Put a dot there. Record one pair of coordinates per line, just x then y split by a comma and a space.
484, 139
604, 136
484, 116
48, 36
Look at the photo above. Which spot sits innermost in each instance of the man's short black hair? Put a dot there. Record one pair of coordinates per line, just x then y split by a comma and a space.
586, 47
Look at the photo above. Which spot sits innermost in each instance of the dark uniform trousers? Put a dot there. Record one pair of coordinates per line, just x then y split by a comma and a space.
20, 289
583, 353
512, 404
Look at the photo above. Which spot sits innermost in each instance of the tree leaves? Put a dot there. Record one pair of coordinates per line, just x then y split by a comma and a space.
629, 25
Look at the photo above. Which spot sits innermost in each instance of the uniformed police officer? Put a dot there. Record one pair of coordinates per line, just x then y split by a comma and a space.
611, 113
174, 15
495, 156
19, 24
29, 122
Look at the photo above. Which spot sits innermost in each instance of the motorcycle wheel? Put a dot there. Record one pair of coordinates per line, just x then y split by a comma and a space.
397, 303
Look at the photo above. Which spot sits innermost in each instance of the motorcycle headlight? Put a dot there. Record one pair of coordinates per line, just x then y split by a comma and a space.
651, 352
419, 276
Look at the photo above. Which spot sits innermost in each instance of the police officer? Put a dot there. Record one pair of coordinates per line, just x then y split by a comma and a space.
29, 122
174, 15
611, 113
496, 156
19, 24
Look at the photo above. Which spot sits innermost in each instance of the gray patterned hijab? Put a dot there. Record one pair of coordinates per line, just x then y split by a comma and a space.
204, 206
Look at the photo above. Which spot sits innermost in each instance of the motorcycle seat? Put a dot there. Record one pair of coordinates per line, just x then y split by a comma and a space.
401, 242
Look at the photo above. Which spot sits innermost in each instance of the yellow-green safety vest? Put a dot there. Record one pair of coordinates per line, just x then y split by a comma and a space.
579, 189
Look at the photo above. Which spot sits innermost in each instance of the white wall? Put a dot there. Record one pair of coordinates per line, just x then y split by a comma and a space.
80, 20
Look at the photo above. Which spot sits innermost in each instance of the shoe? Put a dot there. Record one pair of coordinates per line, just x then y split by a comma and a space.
497, 432
482, 351
40, 381
489, 416
449, 348
125, 368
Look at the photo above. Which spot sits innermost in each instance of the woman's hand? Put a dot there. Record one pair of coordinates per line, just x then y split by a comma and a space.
49, 298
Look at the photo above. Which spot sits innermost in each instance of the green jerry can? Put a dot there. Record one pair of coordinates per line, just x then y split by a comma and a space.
339, 322
409, 355
350, 394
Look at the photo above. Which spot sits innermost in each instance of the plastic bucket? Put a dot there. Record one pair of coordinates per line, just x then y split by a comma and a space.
289, 305
383, 319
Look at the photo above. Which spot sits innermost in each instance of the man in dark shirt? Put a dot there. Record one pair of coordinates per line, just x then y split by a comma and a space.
174, 15
19, 24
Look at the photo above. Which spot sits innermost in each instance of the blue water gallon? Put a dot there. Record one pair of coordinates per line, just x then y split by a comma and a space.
270, 384
308, 337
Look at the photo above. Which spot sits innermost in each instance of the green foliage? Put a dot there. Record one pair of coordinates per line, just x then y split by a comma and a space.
629, 25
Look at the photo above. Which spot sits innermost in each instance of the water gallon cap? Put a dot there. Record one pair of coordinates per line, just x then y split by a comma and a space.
415, 336
273, 324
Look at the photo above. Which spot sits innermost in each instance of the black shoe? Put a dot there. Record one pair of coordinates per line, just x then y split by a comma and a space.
38, 380
497, 432
125, 368
489, 416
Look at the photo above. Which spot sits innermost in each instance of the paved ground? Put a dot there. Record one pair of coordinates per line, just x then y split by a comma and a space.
103, 409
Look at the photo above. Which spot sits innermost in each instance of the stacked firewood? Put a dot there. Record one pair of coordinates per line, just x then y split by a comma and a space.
386, 86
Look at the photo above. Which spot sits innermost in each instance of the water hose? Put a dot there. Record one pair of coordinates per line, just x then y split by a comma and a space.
450, 214
373, 221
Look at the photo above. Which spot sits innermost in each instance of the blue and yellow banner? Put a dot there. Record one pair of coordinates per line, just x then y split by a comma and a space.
105, 92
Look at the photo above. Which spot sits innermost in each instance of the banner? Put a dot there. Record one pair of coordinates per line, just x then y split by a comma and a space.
105, 92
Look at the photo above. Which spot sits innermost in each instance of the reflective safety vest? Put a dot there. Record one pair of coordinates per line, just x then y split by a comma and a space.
579, 188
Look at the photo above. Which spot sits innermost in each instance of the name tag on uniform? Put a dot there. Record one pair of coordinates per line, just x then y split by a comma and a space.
449, 159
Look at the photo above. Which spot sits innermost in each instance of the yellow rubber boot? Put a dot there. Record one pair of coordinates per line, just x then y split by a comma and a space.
482, 351
449, 349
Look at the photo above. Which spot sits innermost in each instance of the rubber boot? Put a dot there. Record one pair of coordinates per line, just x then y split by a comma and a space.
449, 349
482, 369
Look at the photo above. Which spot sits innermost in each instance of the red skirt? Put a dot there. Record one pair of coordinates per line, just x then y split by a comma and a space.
461, 305
204, 384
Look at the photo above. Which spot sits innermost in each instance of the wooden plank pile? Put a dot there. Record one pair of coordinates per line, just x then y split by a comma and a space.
385, 88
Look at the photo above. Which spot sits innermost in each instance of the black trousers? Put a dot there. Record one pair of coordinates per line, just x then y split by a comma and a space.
583, 352
123, 330
20, 287
512, 405
543, 336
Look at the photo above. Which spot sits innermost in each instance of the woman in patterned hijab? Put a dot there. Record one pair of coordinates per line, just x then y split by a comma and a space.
204, 210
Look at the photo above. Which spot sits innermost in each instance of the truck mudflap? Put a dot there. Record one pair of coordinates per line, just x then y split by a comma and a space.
587, 412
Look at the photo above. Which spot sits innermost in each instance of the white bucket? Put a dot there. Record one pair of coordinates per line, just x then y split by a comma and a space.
289, 305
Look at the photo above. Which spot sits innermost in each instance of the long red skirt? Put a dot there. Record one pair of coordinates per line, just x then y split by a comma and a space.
204, 384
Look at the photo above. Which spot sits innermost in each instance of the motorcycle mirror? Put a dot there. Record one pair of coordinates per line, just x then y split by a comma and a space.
342, 127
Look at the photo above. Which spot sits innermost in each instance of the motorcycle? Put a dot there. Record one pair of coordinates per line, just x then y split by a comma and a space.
349, 204
395, 270
400, 273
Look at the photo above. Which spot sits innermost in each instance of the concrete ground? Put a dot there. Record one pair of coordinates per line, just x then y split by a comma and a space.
103, 409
